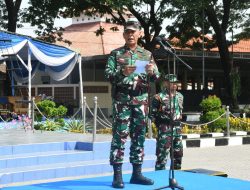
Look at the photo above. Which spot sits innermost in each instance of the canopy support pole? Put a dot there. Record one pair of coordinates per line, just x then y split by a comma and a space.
29, 82
81, 88
12, 79
20, 59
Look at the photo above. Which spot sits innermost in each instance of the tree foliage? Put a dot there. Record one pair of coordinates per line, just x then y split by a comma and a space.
216, 17
10, 14
43, 13
219, 17
192, 19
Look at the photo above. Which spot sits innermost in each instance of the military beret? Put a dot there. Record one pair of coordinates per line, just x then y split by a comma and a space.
170, 78
132, 24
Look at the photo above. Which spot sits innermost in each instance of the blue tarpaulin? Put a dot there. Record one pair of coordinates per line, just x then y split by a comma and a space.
57, 61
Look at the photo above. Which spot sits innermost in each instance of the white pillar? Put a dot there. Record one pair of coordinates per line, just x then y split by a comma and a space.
29, 83
32, 114
95, 119
81, 85
84, 114
227, 121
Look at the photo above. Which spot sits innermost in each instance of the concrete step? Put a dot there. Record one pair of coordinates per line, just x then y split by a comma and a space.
62, 170
43, 147
53, 160
41, 158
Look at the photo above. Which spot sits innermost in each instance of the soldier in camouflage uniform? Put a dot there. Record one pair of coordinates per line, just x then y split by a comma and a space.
130, 102
162, 110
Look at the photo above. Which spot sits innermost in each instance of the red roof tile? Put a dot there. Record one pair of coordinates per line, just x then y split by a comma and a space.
85, 41
242, 46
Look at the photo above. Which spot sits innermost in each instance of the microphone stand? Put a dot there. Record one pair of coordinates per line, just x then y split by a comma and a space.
173, 184
171, 51
149, 123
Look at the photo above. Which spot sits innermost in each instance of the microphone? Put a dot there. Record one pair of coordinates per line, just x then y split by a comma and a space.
170, 50
159, 40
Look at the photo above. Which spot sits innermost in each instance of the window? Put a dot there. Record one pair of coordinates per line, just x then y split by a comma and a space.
45, 79
88, 73
93, 71
99, 71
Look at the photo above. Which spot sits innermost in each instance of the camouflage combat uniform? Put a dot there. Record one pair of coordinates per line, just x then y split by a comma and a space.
130, 102
161, 115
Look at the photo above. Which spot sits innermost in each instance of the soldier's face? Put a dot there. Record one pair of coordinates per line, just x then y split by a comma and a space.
131, 37
170, 86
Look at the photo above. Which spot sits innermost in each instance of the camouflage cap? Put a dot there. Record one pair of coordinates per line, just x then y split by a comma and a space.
132, 24
170, 78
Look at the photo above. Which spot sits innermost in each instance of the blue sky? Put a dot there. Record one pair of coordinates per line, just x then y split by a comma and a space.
29, 30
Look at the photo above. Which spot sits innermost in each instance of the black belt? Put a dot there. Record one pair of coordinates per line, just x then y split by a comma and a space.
125, 90
138, 92
122, 89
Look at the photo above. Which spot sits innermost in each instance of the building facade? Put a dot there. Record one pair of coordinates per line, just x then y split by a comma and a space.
94, 49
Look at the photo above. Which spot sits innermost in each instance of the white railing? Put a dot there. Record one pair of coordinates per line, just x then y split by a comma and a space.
105, 123
215, 54
227, 114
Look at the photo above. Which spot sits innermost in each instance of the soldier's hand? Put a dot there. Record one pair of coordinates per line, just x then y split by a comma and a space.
150, 69
128, 69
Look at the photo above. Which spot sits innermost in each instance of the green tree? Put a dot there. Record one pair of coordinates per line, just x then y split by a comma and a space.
10, 21
11, 12
43, 13
219, 17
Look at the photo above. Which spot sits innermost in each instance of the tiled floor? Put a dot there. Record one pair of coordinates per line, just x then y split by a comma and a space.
20, 136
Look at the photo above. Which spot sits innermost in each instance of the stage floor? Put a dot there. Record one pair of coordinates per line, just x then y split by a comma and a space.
190, 181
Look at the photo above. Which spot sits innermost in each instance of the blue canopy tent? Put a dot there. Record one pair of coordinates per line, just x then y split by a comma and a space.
35, 55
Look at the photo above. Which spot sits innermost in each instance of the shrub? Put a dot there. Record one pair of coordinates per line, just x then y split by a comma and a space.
239, 124
77, 126
195, 129
61, 111
61, 121
49, 109
154, 129
212, 103
38, 126
185, 129
211, 109
104, 131
246, 110
50, 126
217, 126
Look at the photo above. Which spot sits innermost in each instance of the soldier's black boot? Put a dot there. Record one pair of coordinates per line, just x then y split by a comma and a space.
177, 163
138, 178
117, 180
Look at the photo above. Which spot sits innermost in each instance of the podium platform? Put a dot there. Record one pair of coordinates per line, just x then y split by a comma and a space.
188, 180
207, 172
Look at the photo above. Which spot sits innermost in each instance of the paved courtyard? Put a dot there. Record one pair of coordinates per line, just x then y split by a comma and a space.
233, 160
